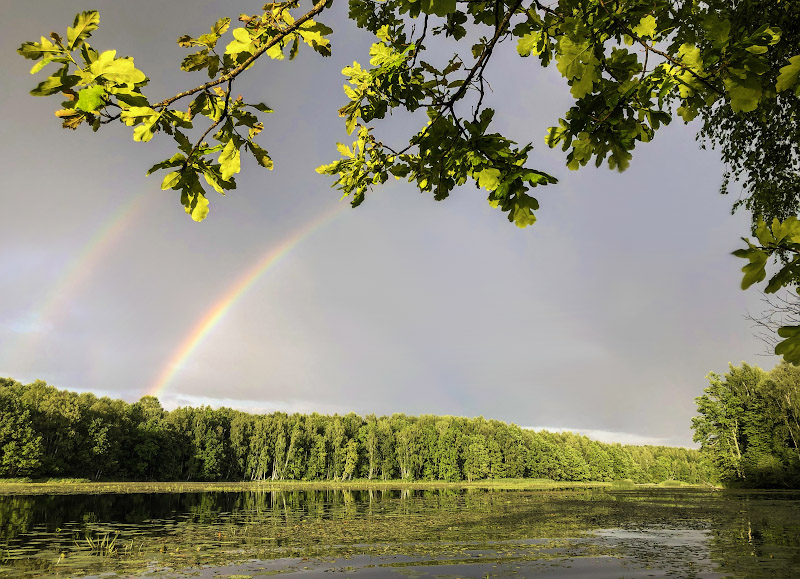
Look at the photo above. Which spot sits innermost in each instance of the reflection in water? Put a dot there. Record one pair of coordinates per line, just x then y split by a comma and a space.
426, 533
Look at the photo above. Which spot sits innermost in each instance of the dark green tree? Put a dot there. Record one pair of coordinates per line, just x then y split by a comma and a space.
742, 427
20, 445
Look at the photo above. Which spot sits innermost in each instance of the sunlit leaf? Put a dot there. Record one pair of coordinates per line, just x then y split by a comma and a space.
229, 160
90, 99
82, 28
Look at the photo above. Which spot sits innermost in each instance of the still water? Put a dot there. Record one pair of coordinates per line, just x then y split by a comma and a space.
594, 533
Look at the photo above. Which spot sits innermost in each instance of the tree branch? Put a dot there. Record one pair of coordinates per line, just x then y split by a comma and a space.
214, 125
661, 53
479, 64
318, 7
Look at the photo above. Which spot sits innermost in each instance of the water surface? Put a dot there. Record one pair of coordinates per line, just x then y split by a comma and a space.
595, 533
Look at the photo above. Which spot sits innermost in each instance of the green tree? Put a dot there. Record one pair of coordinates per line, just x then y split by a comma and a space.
744, 430
407, 446
784, 397
241, 434
449, 447
20, 444
262, 447
476, 458
761, 148
368, 435
718, 426
108, 438
351, 459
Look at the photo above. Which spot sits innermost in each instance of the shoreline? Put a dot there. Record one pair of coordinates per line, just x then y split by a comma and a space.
72, 486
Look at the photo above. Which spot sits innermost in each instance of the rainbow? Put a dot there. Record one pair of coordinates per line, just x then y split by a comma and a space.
199, 332
78, 270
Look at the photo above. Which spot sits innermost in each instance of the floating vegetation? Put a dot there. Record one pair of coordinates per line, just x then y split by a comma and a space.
462, 531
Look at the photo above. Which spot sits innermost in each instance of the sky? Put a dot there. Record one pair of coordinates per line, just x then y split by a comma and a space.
604, 317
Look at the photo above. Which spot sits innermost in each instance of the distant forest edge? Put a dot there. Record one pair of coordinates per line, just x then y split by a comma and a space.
47, 432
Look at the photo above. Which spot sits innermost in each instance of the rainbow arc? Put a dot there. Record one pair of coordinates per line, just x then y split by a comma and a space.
204, 327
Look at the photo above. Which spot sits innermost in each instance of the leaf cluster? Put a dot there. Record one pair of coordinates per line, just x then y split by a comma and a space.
101, 88
630, 66
781, 241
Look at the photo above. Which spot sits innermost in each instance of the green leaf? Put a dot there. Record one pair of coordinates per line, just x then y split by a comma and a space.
55, 83
214, 179
47, 87
198, 208
276, 51
44, 62
789, 348
757, 49
36, 50
790, 74
783, 278
261, 155
313, 34
135, 115
488, 179
754, 271
646, 27
242, 35
82, 28
620, 159
527, 44
261, 107
144, 115
229, 160
128, 97
788, 231
522, 213
573, 58
144, 132
344, 150
171, 180
241, 42
763, 232
90, 99
743, 91
197, 61
175, 161
116, 70
221, 26
717, 30
438, 7
692, 58
584, 84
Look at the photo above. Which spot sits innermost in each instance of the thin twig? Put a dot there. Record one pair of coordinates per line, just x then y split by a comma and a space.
318, 7
214, 125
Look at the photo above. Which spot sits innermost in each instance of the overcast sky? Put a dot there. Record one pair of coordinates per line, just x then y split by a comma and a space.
605, 316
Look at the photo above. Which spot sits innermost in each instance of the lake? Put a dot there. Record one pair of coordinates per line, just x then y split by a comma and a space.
591, 532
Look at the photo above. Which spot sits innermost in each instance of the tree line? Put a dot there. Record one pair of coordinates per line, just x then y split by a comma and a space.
45, 431
749, 425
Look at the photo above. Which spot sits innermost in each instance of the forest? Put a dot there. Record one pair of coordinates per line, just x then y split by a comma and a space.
749, 426
48, 432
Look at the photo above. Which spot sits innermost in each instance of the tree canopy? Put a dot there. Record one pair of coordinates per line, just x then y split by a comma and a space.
749, 425
631, 66
628, 65
45, 431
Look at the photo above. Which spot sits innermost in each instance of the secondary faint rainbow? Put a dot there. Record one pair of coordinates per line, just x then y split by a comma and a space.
210, 321
75, 273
